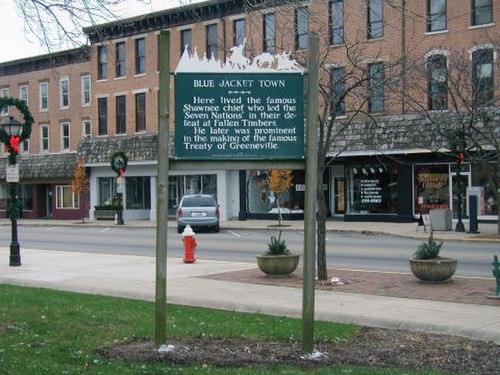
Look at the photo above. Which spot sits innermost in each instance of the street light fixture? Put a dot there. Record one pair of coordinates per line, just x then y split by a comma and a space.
13, 129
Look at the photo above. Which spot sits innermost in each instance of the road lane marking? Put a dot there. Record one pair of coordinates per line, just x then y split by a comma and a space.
51, 229
234, 233
104, 230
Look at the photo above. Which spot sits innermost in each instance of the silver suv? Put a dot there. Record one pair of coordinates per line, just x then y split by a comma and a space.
198, 211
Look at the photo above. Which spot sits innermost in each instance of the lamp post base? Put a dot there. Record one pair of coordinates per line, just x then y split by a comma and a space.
15, 255
460, 227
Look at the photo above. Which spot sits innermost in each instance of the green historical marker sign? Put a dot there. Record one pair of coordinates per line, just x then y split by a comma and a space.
239, 116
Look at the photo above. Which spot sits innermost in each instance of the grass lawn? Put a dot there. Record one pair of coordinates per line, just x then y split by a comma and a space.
50, 332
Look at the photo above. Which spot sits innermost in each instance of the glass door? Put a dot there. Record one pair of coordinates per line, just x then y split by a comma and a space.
464, 184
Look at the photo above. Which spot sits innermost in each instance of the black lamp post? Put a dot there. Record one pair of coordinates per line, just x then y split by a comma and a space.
13, 129
459, 146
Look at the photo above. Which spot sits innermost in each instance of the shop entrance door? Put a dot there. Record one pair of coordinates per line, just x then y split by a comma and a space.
173, 196
339, 195
464, 184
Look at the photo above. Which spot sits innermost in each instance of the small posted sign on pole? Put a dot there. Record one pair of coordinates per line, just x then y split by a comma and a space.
12, 173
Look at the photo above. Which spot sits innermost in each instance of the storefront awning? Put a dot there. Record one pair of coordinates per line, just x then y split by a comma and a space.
378, 152
43, 168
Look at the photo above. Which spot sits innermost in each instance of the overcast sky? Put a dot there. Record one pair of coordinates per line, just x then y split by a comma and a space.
15, 44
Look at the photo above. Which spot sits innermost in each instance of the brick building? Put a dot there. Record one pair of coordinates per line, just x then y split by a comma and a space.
388, 69
57, 89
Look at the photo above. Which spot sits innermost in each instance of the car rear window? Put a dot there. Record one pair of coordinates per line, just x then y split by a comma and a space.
198, 202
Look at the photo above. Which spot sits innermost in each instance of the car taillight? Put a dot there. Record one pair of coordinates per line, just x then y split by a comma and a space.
179, 212
217, 211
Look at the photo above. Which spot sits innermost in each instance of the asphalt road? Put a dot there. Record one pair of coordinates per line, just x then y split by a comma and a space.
344, 250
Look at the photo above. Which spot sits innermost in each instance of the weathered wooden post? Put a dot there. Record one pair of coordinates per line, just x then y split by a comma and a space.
310, 195
162, 190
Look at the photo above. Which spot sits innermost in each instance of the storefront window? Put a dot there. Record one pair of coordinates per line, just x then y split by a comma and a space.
138, 193
24, 194
260, 199
432, 187
189, 184
4, 197
106, 190
373, 189
65, 198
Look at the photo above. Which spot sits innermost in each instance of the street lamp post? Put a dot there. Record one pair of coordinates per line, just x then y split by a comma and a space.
13, 128
12, 134
458, 147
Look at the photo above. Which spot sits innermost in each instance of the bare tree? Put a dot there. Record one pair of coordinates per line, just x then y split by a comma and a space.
454, 93
57, 24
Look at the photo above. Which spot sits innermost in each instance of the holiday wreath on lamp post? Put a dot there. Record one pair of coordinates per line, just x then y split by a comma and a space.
12, 142
119, 163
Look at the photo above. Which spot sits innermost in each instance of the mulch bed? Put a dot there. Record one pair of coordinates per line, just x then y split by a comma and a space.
372, 347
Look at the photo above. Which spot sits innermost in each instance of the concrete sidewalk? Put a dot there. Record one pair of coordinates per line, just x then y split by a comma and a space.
134, 277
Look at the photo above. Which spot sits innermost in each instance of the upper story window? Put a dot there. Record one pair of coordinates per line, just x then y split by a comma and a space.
376, 85
140, 56
86, 128
23, 94
375, 19
482, 75
102, 114
437, 82
212, 39
301, 28
64, 93
44, 138
140, 112
120, 59
44, 96
482, 12
186, 40
121, 113
5, 110
102, 63
65, 145
338, 91
86, 91
336, 22
270, 33
436, 15
239, 32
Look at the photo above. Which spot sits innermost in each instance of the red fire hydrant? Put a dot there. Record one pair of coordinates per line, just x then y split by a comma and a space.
189, 244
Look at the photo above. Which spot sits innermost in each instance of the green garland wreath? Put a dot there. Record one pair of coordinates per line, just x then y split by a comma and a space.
11, 145
119, 156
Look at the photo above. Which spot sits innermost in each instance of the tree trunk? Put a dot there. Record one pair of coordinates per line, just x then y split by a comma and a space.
321, 219
280, 218
321, 235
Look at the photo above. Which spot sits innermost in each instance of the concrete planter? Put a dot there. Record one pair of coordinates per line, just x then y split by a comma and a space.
278, 265
435, 270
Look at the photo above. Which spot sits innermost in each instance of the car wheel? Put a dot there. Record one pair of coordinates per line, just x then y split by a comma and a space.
180, 229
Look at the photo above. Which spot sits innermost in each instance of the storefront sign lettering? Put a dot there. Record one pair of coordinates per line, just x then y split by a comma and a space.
371, 192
